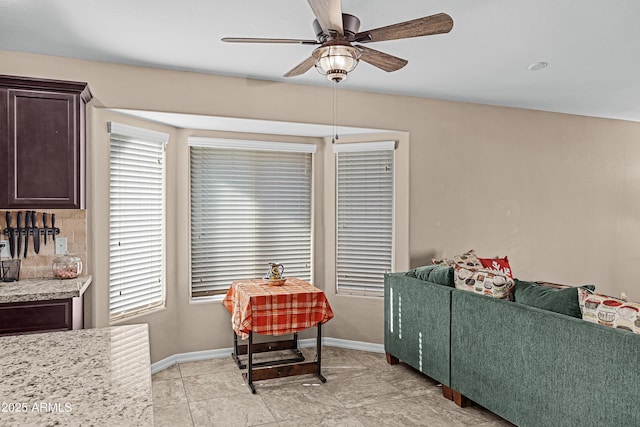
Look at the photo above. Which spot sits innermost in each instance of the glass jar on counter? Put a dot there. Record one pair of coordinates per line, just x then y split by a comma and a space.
67, 267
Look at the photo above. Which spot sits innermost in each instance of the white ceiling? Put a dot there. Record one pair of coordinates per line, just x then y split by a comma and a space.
592, 46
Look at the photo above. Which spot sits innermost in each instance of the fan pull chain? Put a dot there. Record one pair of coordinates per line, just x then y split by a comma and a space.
335, 108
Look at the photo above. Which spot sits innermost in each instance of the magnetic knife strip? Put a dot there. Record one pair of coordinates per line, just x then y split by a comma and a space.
37, 228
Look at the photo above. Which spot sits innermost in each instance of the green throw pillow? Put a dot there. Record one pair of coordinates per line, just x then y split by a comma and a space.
563, 300
440, 274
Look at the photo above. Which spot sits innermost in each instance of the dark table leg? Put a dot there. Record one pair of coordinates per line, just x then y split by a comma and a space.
250, 364
319, 353
236, 353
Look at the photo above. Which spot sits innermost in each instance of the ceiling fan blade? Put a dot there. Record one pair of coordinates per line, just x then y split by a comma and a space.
267, 40
428, 25
329, 14
302, 67
382, 60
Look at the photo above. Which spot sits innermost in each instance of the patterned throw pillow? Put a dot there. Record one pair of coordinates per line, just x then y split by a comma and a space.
467, 259
609, 311
501, 265
483, 281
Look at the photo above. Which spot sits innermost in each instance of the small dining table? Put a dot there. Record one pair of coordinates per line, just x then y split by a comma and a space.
257, 306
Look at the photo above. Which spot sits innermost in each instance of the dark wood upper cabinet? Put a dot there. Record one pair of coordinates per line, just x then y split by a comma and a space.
42, 143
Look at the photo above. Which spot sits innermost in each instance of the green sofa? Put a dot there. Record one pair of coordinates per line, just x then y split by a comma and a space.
530, 366
420, 338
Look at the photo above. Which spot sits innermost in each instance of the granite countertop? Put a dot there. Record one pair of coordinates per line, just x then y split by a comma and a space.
43, 289
86, 377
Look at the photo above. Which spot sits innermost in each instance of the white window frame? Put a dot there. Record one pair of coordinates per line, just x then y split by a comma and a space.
254, 146
375, 289
152, 296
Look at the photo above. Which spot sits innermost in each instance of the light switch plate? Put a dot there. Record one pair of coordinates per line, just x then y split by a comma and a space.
61, 245
4, 249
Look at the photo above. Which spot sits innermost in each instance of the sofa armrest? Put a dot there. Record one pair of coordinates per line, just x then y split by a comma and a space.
417, 324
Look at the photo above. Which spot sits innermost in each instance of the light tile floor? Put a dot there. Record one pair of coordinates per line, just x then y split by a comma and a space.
361, 390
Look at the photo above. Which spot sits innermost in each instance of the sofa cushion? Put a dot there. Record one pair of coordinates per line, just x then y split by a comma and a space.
560, 300
483, 281
440, 274
609, 311
467, 259
501, 265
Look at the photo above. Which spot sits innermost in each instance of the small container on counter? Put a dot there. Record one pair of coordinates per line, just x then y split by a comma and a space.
10, 270
67, 267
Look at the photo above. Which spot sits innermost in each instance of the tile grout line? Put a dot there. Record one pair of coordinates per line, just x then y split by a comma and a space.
185, 393
269, 409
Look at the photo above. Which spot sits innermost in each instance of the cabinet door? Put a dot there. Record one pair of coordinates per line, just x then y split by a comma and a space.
45, 159
36, 316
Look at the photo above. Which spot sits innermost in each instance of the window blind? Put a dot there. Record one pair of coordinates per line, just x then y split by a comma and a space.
364, 235
249, 207
136, 220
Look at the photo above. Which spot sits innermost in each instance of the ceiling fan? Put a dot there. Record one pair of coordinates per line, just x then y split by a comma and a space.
338, 35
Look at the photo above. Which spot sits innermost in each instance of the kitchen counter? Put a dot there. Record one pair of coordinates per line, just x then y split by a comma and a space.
43, 289
96, 377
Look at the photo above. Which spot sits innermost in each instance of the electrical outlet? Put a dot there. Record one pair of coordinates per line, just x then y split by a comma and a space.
4, 249
61, 245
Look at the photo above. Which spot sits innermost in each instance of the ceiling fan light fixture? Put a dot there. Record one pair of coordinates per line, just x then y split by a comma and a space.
336, 61
537, 66
336, 31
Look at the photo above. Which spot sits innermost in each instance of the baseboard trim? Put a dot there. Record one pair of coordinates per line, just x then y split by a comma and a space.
195, 356
351, 345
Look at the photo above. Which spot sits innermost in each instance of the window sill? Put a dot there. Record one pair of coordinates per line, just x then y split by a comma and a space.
204, 300
125, 318
360, 294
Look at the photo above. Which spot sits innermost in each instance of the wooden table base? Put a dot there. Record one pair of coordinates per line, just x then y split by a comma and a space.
258, 371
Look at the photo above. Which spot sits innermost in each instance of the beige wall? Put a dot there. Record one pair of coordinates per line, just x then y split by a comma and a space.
558, 194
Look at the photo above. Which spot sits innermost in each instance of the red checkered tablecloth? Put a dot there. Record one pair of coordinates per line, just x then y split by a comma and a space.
275, 310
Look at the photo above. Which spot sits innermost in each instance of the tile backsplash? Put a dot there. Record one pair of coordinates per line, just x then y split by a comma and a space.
72, 224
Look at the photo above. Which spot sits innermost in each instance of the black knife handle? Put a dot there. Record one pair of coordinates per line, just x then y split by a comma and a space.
53, 226
36, 232
44, 226
19, 234
27, 219
12, 240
